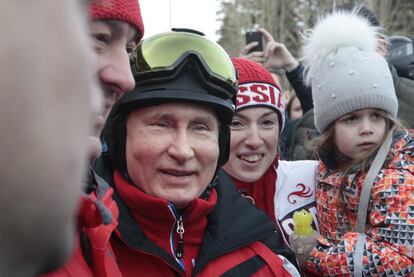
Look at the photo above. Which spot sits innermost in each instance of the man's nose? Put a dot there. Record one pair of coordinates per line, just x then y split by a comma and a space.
180, 147
117, 73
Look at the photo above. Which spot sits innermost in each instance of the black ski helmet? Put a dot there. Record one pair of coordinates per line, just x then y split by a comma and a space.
177, 66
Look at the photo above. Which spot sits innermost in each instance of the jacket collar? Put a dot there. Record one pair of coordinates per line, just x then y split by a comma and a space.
227, 229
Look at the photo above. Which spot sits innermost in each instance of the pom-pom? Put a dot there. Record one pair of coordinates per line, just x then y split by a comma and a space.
338, 29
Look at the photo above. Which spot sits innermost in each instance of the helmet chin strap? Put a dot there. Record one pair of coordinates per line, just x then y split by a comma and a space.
210, 186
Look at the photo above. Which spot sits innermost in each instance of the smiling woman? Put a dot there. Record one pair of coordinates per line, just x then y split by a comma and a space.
253, 148
254, 163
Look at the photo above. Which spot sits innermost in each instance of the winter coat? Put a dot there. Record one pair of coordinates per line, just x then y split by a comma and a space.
92, 255
390, 219
221, 235
237, 240
284, 188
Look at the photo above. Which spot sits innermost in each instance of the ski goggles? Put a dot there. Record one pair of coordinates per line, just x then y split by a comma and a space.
162, 54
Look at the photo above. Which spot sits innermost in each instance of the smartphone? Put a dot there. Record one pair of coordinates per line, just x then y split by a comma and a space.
255, 36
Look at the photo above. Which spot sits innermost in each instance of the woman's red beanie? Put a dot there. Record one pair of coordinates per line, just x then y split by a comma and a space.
257, 88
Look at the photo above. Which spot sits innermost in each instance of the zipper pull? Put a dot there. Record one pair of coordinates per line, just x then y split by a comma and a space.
180, 231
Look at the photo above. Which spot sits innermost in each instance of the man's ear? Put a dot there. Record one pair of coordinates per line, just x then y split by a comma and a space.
382, 47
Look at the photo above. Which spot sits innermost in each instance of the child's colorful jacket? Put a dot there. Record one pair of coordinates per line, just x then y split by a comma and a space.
390, 221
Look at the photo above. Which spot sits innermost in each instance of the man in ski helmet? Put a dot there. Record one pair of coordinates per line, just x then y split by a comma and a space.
166, 141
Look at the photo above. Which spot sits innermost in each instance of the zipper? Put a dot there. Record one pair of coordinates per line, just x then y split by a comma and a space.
179, 252
124, 232
178, 228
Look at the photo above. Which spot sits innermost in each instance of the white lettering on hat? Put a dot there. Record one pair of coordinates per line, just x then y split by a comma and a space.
259, 94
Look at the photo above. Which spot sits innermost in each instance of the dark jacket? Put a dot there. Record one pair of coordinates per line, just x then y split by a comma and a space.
405, 93
303, 92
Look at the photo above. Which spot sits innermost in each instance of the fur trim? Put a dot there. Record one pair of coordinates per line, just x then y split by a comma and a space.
336, 30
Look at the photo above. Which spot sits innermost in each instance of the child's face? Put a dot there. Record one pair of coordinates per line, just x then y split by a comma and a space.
253, 144
358, 132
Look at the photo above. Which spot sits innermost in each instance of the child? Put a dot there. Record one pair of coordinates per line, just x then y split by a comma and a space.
355, 111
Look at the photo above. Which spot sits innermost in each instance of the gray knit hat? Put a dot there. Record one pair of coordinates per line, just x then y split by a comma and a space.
344, 69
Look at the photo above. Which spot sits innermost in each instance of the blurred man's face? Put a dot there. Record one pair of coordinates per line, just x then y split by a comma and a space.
45, 117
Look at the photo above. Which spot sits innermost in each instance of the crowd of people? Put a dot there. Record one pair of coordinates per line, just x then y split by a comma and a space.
165, 156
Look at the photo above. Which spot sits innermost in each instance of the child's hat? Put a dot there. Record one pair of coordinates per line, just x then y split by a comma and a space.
257, 88
344, 69
123, 10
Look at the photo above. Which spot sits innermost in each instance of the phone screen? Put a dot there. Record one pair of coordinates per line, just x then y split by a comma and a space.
255, 36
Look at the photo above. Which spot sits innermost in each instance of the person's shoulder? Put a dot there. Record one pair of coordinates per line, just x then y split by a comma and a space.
299, 164
223, 175
402, 84
292, 173
406, 84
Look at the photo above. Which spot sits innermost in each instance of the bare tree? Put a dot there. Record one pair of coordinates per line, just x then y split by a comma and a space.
396, 16
287, 20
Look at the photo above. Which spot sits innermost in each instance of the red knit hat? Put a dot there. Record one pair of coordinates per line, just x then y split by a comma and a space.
124, 10
258, 88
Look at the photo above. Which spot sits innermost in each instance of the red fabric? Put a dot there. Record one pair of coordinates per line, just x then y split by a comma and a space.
90, 222
133, 262
276, 265
252, 72
263, 190
124, 10
254, 89
157, 220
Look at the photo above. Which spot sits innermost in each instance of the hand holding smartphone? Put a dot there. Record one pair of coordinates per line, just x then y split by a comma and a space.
255, 36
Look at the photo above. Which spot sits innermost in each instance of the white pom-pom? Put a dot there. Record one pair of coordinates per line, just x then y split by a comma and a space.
339, 29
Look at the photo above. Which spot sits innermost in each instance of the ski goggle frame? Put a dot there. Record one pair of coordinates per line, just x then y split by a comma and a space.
161, 54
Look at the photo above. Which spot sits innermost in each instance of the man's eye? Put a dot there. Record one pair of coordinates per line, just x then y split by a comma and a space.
102, 38
201, 127
158, 124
